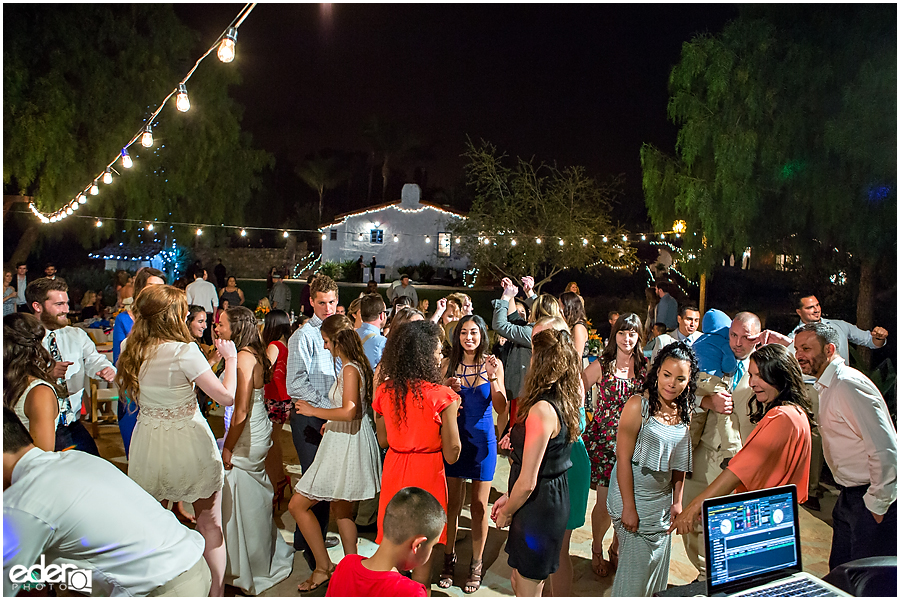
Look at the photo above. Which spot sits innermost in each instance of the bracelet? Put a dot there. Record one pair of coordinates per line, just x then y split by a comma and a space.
492, 379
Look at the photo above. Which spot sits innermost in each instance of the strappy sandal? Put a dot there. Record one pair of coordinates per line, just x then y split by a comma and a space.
599, 566
473, 583
446, 578
614, 558
311, 585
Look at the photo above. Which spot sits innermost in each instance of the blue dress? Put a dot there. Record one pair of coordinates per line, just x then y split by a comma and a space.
127, 412
478, 456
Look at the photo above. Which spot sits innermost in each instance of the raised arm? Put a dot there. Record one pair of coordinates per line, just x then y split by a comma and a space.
223, 391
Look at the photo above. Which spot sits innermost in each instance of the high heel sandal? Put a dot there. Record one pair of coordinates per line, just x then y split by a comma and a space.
311, 585
446, 578
279, 494
473, 583
599, 566
614, 558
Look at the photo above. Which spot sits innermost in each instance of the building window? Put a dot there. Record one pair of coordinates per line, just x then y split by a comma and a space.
333, 235
443, 244
376, 236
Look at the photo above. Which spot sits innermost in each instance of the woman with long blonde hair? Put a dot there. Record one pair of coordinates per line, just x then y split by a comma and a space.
174, 455
258, 557
537, 505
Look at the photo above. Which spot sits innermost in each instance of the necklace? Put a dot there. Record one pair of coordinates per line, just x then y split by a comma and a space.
670, 418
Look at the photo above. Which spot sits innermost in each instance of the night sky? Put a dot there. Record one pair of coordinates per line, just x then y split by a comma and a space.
575, 84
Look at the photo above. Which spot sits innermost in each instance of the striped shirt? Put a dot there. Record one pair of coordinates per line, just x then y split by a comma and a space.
310, 367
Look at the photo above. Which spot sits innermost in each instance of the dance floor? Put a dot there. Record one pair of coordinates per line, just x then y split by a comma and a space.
815, 531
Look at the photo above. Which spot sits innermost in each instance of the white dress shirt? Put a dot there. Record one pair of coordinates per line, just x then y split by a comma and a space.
848, 333
22, 283
55, 507
202, 293
858, 437
77, 347
687, 339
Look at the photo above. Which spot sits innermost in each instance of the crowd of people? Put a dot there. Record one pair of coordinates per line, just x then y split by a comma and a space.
399, 418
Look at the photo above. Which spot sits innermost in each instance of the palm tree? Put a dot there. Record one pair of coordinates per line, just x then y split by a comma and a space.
322, 173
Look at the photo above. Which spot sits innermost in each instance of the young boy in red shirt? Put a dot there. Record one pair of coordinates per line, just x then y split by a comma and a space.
413, 521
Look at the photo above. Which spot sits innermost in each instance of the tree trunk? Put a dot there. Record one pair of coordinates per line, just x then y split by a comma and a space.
26, 243
321, 196
865, 306
385, 172
702, 294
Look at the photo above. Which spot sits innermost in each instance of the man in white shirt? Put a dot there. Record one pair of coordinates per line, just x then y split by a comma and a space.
860, 445
203, 293
687, 331
51, 515
75, 354
810, 311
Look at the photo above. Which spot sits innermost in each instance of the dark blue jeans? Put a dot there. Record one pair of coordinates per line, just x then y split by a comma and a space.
856, 534
75, 435
306, 437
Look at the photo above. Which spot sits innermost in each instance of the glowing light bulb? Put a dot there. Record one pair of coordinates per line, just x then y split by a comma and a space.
325, 237
76, 205
147, 137
226, 47
99, 223
662, 236
126, 160
561, 242
69, 210
199, 231
182, 102
624, 238
107, 177
396, 238
81, 199
360, 235
457, 240
243, 233
284, 234
94, 189
678, 235
53, 219
487, 242
149, 226
643, 237
604, 238
513, 243
538, 241
427, 239
584, 242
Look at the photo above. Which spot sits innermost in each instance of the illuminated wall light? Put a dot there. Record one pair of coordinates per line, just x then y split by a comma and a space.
243, 233
360, 236
107, 177
457, 240
226, 46
427, 239
182, 102
126, 159
325, 237
147, 137
396, 239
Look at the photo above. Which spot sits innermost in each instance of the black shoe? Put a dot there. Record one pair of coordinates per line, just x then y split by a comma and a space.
331, 541
310, 559
812, 504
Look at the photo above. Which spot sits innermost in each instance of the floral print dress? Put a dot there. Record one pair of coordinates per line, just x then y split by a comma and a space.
600, 435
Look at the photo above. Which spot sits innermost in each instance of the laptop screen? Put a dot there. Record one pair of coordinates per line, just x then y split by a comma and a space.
750, 536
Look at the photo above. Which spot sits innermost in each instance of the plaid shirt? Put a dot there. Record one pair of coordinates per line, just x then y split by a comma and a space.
310, 367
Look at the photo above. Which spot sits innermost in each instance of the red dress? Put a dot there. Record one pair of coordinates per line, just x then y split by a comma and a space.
277, 400
414, 456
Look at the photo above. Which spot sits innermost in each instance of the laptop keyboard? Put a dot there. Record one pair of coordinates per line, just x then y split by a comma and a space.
802, 587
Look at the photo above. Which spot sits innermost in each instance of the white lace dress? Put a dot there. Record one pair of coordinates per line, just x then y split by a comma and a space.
258, 557
174, 455
347, 464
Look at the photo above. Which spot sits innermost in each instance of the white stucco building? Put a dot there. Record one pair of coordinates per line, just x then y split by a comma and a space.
399, 233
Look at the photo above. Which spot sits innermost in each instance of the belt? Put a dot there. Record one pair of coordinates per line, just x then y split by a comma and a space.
855, 488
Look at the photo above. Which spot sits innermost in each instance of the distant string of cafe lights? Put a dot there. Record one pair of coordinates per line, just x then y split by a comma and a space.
225, 46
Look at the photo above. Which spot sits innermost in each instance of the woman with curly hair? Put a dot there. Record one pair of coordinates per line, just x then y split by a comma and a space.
777, 452
618, 374
415, 418
536, 508
258, 557
573, 312
29, 388
653, 454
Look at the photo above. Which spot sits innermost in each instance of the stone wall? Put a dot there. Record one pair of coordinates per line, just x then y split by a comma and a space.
253, 263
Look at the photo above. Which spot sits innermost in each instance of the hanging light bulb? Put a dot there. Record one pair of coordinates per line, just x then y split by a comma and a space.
678, 235
94, 189
126, 160
226, 47
76, 205
199, 231
99, 223
662, 236
68, 210
149, 226
584, 242
243, 233
624, 238
325, 237
561, 242
643, 237
107, 177
457, 240
604, 238
81, 199
513, 242
538, 241
147, 137
284, 234
182, 102
487, 242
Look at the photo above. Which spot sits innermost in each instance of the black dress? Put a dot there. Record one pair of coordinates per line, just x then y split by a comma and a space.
537, 528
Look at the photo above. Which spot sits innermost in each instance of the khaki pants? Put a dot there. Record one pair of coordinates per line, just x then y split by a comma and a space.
706, 469
194, 582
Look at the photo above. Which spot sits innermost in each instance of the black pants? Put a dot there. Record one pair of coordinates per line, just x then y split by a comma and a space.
75, 435
856, 534
306, 437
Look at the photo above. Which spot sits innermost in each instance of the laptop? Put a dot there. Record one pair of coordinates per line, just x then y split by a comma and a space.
753, 546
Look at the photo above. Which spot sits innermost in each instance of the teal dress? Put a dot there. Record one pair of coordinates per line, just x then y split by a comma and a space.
579, 476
